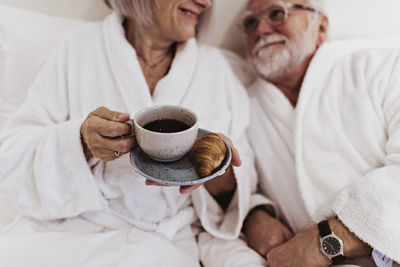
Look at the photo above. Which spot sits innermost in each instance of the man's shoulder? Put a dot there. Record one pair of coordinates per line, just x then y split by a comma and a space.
378, 54
372, 62
346, 50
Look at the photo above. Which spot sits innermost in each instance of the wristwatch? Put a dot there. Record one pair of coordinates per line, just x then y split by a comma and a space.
330, 244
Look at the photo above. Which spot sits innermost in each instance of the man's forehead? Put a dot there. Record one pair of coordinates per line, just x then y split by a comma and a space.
257, 5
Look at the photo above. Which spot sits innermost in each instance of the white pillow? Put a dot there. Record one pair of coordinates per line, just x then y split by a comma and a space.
26, 41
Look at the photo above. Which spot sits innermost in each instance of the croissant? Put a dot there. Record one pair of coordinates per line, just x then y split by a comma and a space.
209, 152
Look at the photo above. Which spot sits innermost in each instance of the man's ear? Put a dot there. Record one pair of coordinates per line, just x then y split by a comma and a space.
323, 30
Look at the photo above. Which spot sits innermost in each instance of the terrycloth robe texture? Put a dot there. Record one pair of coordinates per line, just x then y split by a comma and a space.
43, 166
338, 151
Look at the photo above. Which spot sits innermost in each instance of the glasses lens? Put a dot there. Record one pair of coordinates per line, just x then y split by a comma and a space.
276, 14
250, 24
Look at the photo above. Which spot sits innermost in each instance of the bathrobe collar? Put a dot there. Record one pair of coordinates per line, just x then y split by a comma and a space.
128, 74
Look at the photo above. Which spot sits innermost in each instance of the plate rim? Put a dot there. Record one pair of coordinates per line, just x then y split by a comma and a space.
221, 171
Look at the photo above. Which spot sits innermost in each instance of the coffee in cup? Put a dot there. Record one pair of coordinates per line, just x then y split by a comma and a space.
165, 133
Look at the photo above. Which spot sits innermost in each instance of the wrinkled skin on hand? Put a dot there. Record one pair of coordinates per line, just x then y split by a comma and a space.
264, 232
101, 134
300, 251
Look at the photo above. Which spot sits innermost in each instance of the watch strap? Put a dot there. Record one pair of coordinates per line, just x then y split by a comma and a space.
338, 259
324, 228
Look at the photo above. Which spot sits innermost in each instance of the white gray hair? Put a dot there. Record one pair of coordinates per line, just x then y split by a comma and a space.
317, 5
140, 10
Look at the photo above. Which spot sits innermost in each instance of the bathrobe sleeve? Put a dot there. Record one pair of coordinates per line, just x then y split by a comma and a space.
370, 207
43, 167
228, 224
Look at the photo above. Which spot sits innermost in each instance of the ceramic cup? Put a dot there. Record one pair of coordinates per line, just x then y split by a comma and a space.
165, 146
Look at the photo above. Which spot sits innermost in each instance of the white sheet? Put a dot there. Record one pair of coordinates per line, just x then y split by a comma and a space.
26, 247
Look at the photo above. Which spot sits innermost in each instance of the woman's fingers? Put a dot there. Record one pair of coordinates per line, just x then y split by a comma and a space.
122, 145
101, 134
151, 183
105, 113
236, 161
105, 155
106, 128
183, 189
104, 147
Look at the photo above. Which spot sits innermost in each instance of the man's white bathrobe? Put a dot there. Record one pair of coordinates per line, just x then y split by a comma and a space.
75, 213
338, 151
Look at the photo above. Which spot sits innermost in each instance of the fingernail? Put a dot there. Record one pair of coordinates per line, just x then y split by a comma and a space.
122, 116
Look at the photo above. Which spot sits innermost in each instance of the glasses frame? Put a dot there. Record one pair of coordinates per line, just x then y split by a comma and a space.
263, 15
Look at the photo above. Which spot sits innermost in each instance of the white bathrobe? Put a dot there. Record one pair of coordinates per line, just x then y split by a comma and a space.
96, 210
338, 151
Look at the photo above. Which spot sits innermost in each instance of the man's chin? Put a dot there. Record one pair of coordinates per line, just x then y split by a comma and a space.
268, 70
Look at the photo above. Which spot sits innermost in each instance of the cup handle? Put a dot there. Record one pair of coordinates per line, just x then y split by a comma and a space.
132, 129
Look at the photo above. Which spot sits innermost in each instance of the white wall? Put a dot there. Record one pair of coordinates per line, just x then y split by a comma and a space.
80, 9
349, 18
363, 18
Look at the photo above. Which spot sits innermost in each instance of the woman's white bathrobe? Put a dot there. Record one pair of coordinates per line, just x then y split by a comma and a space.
87, 212
338, 151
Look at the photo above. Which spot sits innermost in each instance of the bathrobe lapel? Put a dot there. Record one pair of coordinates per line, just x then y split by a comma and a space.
173, 87
128, 74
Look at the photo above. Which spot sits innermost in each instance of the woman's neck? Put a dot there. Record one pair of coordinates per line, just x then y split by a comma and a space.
154, 53
149, 46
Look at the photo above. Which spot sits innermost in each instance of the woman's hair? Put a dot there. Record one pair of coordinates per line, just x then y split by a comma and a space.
140, 10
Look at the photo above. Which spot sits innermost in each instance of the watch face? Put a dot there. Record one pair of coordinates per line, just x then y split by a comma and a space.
331, 246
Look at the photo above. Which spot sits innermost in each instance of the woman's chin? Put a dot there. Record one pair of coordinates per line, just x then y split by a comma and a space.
186, 35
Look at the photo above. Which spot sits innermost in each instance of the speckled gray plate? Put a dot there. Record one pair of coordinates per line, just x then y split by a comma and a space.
181, 172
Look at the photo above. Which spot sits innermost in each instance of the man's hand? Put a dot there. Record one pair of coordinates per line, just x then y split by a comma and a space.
304, 248
101, 131
300, 251
264, 232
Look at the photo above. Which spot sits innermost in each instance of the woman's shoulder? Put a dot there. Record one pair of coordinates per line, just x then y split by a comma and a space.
82, 40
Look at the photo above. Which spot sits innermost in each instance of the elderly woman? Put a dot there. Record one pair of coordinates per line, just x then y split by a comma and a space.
64, 165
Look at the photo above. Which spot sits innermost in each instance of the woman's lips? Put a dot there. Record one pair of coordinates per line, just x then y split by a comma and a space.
189, 14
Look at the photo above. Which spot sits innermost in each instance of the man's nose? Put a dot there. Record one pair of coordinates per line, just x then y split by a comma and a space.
264, 28
204, 3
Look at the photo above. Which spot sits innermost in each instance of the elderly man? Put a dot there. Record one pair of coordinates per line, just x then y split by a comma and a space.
326, 134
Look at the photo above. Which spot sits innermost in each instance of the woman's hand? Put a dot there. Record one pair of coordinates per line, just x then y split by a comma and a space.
219, 186
102, 133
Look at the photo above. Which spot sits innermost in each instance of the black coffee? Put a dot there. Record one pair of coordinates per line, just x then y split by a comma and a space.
166, 126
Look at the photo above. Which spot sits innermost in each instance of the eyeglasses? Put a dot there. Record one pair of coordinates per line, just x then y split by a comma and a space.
275, 15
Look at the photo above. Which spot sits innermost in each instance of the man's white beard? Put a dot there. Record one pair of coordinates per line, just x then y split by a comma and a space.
271, 64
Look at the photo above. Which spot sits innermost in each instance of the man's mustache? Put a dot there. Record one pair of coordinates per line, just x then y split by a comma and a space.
268, 40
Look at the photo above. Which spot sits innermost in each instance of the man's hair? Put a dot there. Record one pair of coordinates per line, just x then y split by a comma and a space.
140, 10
